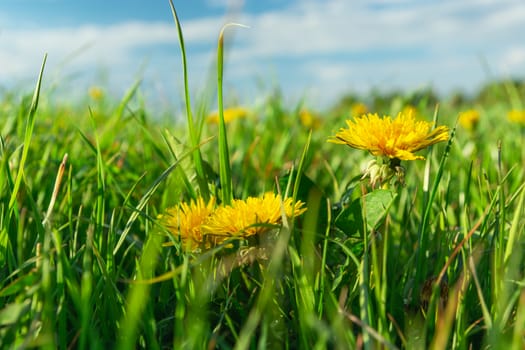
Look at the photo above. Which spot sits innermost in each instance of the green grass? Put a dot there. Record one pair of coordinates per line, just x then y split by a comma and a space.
436, 263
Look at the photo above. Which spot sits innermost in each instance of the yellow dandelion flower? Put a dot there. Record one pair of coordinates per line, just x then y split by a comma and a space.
244, 218
396, 138
186, 220
517, 116
358, 109
309, 120
230, 114
469, 119
95, 93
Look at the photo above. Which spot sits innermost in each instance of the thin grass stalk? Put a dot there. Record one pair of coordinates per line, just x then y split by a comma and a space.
110, 245
100, 211
30, 123
309, 259
56, 188
122, 105
144, 200
372, 332
487, 318
514, 237
52, 293
300, 168
180, 284
274, 267
446, 319
47, 295
376, 275
139, 293
322, 277
266, 292
383, 293
60, 290
304, 296
224, 155
180, 171
6, 239
28, 135
197, 157
501, 294
364, 283
421, 266
510, 270
517, 336
86, 289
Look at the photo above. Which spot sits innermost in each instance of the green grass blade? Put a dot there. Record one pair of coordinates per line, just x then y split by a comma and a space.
514, 233
224, 156
197, 157
138, 293
421, 267
28, 134
144, 200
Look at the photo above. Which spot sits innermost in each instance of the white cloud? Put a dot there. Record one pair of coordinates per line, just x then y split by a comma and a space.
513, 60
120, 50
328, 45
437, 43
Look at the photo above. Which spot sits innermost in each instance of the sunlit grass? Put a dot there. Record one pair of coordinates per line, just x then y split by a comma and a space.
434, 261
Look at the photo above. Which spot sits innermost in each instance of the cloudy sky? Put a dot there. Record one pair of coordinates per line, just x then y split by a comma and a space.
317, 49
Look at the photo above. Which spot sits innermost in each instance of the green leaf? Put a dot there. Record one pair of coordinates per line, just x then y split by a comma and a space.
12, 312
377, 204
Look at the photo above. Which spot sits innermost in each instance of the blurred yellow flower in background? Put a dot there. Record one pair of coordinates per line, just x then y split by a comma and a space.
309, 120
230, 114
516, 116
469, 119
96, 93
395, 138
358, 109
410, 109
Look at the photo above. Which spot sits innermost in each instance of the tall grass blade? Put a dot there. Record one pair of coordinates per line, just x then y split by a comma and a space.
421, 266
224, 155
28, 135
197, 157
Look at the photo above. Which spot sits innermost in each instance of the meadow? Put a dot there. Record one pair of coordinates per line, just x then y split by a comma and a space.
107, 241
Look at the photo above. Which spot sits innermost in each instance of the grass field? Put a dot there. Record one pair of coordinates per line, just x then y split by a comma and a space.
87, 261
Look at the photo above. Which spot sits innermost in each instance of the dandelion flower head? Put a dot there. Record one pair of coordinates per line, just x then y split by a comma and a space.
201, 225
186, 220
395, 138
243, 218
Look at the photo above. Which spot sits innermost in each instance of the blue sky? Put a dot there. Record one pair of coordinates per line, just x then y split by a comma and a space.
311, 49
